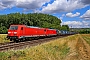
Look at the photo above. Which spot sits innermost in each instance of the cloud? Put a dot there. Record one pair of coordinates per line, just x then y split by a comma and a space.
72, 15
54, 7
62, 16
30, 4
85, 1
25, 4
1, 6
72, 23
7, 4
86, 16
63, 6
77, 24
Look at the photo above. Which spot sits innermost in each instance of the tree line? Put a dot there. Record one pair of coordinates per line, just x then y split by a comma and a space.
85, 31
30, 19
81, 30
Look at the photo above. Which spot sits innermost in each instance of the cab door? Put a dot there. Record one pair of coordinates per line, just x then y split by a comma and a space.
22, 31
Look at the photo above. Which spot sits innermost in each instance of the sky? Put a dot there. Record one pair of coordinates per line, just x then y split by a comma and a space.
74, 13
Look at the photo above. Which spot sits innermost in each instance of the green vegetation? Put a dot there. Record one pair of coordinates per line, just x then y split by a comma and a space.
85, 31
3, 38
87, 38
65, 27
81, 30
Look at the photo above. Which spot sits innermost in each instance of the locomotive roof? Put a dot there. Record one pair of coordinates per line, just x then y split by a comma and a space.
17, 25
33, 27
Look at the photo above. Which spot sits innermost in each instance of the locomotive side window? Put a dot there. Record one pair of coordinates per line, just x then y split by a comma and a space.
45, 30
21, 28
13, 28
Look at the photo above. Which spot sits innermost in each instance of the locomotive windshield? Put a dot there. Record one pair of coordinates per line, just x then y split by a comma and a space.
13, 28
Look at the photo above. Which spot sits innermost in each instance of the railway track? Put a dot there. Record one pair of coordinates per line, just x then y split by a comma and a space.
21, 45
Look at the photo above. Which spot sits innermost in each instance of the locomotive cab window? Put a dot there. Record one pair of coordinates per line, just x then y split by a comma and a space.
21, 28
13, 27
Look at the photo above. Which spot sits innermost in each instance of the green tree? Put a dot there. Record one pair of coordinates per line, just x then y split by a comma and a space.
65, 27
3, 29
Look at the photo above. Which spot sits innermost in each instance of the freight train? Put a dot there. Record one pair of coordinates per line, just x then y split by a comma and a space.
23, 32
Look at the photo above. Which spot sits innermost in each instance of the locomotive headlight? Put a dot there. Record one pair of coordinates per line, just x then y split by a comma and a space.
9, 32
15, 32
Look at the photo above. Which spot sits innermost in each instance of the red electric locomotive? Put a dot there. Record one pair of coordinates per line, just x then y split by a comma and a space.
20, 32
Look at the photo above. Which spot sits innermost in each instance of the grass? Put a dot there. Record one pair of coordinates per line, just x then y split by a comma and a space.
86, 37
3, 38
54, 50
